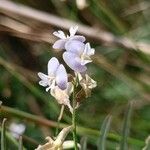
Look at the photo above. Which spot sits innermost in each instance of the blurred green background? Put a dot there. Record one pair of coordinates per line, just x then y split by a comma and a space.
119, 30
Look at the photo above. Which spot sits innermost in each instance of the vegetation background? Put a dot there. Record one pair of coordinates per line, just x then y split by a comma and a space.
119, 30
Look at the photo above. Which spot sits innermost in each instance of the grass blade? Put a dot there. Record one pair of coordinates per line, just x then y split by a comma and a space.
3, 144
83, 143
83, 131
104, 131
126, 127
147, 146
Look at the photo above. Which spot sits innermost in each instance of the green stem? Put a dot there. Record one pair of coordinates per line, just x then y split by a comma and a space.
3, 143
74, 120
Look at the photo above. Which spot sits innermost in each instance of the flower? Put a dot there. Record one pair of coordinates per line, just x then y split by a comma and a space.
57, 75
87, 83
59, 143
17, 129
77, 55
60, 44
62, 96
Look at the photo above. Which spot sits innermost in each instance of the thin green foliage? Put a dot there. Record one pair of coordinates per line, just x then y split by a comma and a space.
126, 127
3, 142
11, 140
83, 143
80, 130
103, 134
107, 16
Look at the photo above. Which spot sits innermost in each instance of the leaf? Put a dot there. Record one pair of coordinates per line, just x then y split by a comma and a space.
147, 142
3, 144
126, 127
103, 134
83, 143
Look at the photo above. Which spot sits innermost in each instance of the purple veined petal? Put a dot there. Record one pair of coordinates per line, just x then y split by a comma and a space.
75, 46
78, 38
70, 60
61, 77
59, 44
52, 66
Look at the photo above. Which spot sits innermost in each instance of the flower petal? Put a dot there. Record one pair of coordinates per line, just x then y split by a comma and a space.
52, 66
83, 61
70, 59
43, 76
43, 83
61, 77
44, 79
59, 44
78, 38
88, 50
73, 30
74, 46
60, 34
69, 89
60, 95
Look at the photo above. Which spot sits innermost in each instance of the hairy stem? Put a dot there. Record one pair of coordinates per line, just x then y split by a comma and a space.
74, 120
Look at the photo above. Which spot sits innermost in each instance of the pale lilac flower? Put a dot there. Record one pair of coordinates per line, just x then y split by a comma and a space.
60, 44
77, 55
17, 129
57, 75
62, 96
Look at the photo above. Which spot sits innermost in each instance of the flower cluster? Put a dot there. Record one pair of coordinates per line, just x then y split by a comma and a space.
76, 54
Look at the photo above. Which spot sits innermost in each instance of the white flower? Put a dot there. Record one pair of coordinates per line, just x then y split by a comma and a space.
60, 44
59, 143
87, 52
57, 75
17, 129
87, 83
77, 55
62, 96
